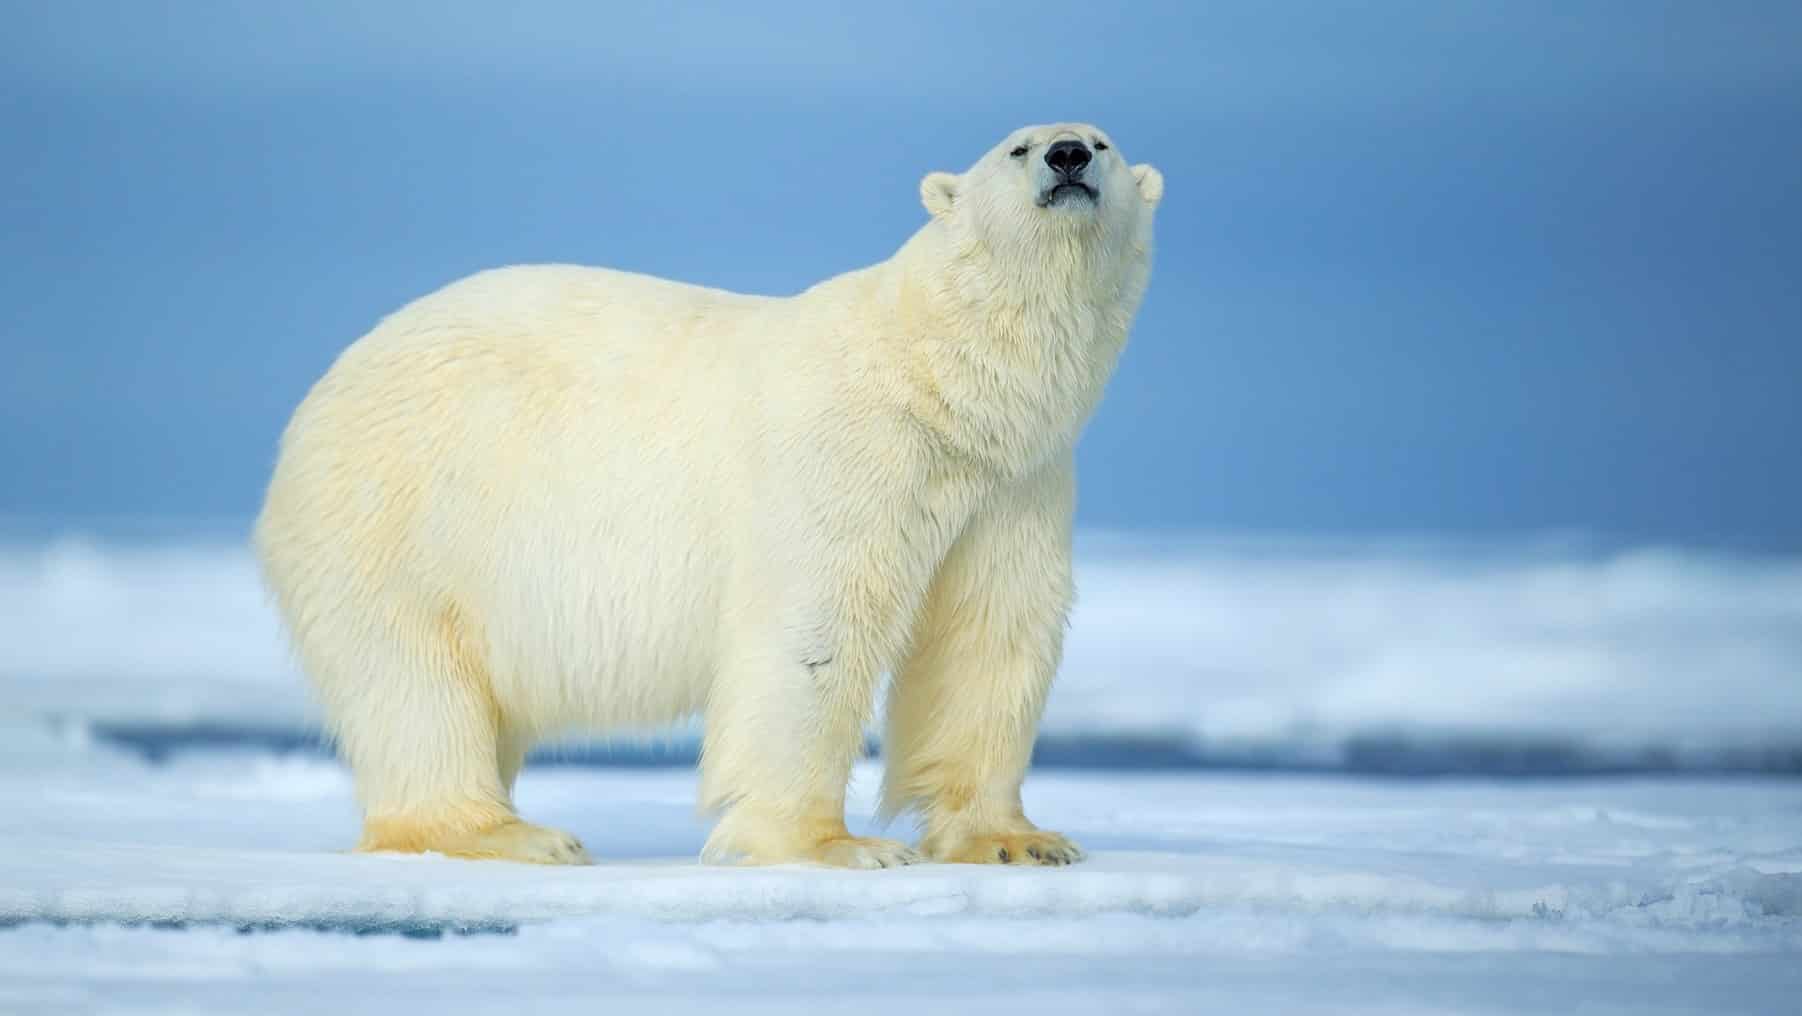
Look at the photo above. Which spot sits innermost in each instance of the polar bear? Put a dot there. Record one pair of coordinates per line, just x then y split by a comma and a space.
555, 498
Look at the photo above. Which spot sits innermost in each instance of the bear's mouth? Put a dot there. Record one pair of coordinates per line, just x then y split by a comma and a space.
1068, 190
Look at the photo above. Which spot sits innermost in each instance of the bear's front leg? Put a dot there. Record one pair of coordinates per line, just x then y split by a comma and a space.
966, 704
783, 728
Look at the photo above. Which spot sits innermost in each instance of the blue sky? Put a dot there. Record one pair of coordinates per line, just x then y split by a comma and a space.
1471, 269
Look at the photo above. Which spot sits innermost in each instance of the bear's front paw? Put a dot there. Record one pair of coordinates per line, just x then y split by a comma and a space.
1034, 847
533, 844
862, 852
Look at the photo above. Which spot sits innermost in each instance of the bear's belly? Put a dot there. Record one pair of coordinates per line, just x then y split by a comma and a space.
581, 653
602, 601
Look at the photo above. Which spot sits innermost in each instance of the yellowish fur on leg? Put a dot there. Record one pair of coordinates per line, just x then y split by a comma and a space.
1030, 847
849, 851
507, 839
748, 836
966, 704
963, 826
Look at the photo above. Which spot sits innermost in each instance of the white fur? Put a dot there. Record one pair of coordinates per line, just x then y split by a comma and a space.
554, 498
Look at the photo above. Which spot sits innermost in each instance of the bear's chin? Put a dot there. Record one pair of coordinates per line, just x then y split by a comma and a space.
1068, 195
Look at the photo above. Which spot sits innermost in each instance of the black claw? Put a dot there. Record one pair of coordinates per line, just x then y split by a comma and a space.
1033, 852
1004, 855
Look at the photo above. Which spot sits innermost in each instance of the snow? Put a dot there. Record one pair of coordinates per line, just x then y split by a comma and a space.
218, 882
211, 876
1305, 653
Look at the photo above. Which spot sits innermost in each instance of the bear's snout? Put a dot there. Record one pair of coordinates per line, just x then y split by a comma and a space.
1068, 159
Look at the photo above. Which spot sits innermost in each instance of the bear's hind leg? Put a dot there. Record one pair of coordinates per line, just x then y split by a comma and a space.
417, 722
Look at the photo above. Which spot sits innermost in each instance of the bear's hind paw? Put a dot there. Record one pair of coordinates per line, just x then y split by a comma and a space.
513, 840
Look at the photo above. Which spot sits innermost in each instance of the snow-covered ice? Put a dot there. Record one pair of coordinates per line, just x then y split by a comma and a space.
218, 883
1298, 652
216, 880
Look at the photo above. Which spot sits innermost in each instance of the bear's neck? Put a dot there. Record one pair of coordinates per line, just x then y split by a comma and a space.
1009, 356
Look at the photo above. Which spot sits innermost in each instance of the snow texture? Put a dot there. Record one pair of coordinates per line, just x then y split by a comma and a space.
172, 836
218, 883
1315, 655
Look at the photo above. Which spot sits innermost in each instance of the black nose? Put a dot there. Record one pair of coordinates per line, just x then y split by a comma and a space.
1068, 158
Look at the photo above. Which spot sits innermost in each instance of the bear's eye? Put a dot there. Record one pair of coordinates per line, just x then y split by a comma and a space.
1101, 146
1019, 153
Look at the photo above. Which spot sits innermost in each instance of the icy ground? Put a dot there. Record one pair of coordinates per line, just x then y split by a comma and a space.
1546, 656
217, 883
146, 868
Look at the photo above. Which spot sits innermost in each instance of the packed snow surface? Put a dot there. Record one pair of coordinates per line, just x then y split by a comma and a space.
218, 882
173, 838
1298, 653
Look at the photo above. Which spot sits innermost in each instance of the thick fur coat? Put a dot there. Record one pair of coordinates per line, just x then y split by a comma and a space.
554, 498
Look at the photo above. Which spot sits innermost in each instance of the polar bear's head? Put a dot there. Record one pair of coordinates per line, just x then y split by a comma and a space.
1058, 179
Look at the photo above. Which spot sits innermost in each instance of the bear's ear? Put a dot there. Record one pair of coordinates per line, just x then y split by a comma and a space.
1151, 183
938, 192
